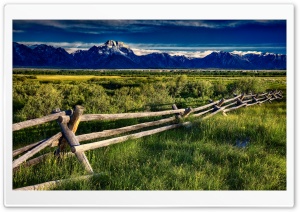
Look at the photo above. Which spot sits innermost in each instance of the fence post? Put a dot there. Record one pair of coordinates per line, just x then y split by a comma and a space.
280, 96
61, 139
221, 102
239, 101
242, 97
254, 99
62, 144
68, 132
266, 96
177, 115
187, 112
216, 107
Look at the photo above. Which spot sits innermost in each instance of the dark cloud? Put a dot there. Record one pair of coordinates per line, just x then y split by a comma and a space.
133, 26
155, 32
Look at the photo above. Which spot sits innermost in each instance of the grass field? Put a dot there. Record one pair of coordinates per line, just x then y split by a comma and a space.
204, 156
71, 78
45, 77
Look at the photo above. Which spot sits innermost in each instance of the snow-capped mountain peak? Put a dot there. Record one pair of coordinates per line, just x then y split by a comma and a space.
112, 43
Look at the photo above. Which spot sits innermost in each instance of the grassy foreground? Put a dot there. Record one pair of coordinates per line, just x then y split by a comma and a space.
202, 157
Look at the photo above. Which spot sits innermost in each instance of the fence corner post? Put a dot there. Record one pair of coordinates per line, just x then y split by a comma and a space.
69, 126
187, 112
221, 102
177, 115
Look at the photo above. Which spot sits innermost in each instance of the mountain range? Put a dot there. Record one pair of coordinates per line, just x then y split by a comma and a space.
117, 55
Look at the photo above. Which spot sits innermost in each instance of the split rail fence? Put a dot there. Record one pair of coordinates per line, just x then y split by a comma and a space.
70, 119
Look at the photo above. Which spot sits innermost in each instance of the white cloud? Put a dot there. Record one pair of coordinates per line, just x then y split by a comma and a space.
121, 26
245, 52
18, 31
145, 51
195, 54
72, 50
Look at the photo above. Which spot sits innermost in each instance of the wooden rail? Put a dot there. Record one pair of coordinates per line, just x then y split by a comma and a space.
69, 121
96, 145
38, 121
47, 185
28, 147
35, 150
117, 131
102, 134
90, 117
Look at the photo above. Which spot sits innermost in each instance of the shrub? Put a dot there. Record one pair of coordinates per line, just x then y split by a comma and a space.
95, 99
72, 95
31, 77
46, 99
219, 89
202, 89
177, 86
246, 85
127, 99
156, 95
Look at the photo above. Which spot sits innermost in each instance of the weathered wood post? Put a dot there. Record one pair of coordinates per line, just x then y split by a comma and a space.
254, 100
279, 94
69, 126
266, 96
72, 125
242, 96
274, 96
218, 105
221, 102
177, 115
215, 108
239, 101
187, 112
62, 143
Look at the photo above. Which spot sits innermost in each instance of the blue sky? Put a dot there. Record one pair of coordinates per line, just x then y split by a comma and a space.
187, 37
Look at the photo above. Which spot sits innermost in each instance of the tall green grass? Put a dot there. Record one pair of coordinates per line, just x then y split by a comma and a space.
201, 157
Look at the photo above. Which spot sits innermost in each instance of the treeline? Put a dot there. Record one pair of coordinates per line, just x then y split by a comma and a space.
32, 99
146, 73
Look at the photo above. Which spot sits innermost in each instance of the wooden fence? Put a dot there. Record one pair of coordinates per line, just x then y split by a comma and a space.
69, 121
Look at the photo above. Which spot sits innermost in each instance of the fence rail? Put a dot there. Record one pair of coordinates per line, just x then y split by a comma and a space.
70, 119
42, 120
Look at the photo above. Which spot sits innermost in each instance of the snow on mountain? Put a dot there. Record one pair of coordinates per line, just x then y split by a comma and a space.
117, 55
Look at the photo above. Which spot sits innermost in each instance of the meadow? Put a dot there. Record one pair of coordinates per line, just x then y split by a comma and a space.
201, 157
